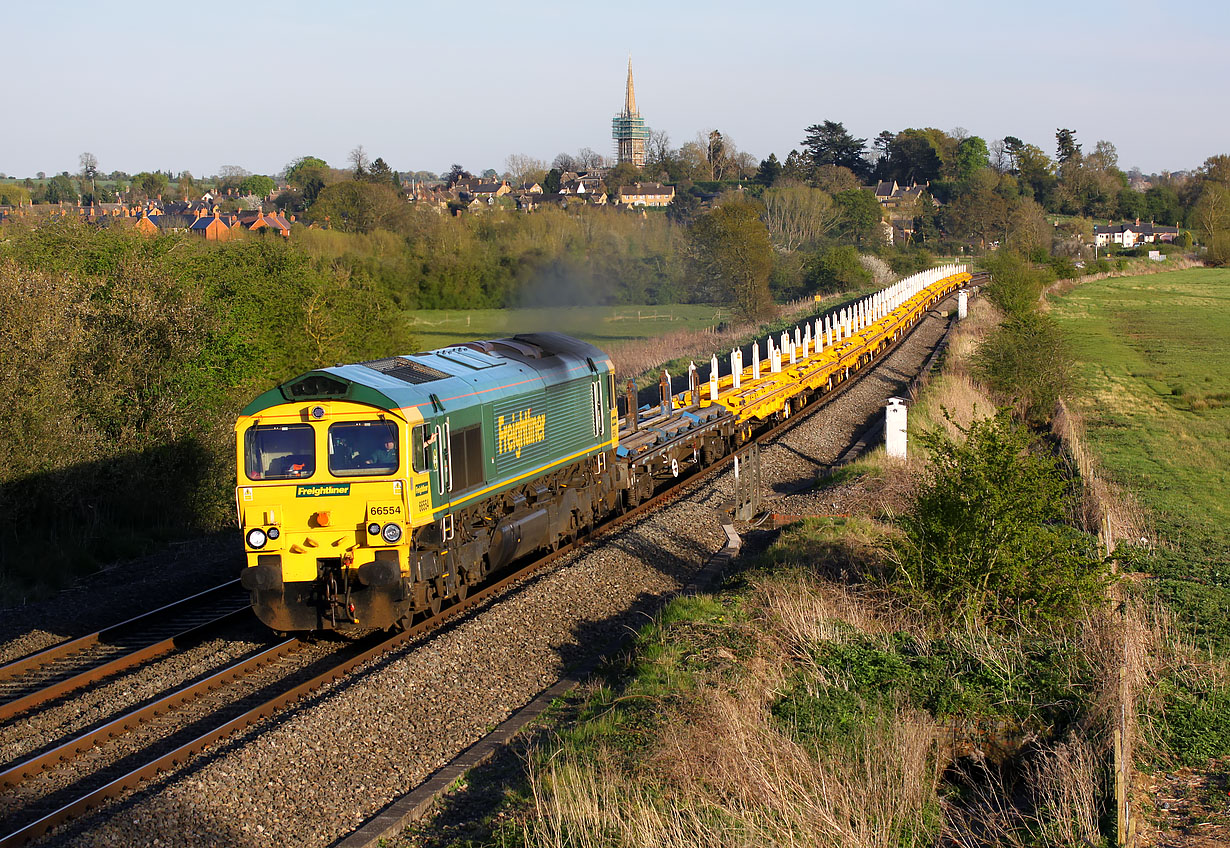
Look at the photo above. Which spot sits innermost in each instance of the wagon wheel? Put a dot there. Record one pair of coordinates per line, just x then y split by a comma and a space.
435, 602
463, 589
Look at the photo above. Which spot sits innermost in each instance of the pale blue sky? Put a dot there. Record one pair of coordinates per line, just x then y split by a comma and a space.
196, 86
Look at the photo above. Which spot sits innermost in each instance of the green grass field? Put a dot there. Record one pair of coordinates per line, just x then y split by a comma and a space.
1154, 361
598, 325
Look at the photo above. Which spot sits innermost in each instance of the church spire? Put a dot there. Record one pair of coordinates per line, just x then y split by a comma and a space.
630, 96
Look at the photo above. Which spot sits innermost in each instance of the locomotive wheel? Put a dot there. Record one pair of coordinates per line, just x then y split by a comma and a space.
463, 589
436, 602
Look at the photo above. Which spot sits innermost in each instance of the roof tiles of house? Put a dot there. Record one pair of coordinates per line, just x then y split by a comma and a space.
1141, 229
647, 188
203, 222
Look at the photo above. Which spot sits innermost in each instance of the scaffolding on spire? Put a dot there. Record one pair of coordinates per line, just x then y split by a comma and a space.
628, 128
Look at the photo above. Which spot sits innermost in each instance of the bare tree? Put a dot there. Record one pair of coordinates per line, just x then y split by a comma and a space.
230, 176
521, 167
798, 215
589, 159
359, 161
657, 147
1000, 160
89, 168
565, 162
958, 134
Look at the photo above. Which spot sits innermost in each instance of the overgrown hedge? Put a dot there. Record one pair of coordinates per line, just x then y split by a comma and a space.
125, 359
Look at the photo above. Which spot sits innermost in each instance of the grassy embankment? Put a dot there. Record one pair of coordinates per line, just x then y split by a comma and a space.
1156, 408
816, 700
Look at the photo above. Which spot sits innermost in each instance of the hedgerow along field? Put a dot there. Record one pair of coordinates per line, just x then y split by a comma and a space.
1155, 368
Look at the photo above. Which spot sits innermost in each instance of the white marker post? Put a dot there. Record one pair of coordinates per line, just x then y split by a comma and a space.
894, 428
962, 304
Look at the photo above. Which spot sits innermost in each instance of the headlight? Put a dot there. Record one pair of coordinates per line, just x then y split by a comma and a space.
256, 538
274, 532
373, 529
391, 533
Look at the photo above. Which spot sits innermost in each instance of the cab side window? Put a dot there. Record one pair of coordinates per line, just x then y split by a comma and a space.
421, 444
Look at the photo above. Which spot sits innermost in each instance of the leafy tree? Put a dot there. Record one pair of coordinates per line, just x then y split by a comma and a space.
683, 208
731, 257
60, 189
1130, 204
770, 170
359, 207
551, 182
307, 169
913, 158
985, 539
837, 269
861, 217
1104, 156
830, 144
972, 157
1036, 172
457, 173
150, 185
12, 194
1164, 205
625, 173
257, 185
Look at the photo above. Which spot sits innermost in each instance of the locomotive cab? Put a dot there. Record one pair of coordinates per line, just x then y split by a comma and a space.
330, 494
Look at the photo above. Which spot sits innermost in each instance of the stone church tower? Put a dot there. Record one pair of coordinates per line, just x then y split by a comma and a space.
628, 128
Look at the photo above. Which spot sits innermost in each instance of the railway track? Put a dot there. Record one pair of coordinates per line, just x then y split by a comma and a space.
249, 703
40, 678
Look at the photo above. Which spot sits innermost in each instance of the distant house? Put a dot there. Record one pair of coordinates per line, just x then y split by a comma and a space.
890, 195
211, 227
260, 220
485, 191
646, 194
146, 225
530, 188
529, 202
1130, 235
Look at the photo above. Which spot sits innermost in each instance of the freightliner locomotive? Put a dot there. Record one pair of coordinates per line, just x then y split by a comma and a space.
370, 493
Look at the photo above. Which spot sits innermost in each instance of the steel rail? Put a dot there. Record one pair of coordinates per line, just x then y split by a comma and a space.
62, 650
99, 673
134, 778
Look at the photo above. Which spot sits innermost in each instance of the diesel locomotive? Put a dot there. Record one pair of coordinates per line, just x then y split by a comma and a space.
373, 492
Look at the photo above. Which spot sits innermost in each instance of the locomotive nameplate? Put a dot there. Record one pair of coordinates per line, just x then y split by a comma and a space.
322, 490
